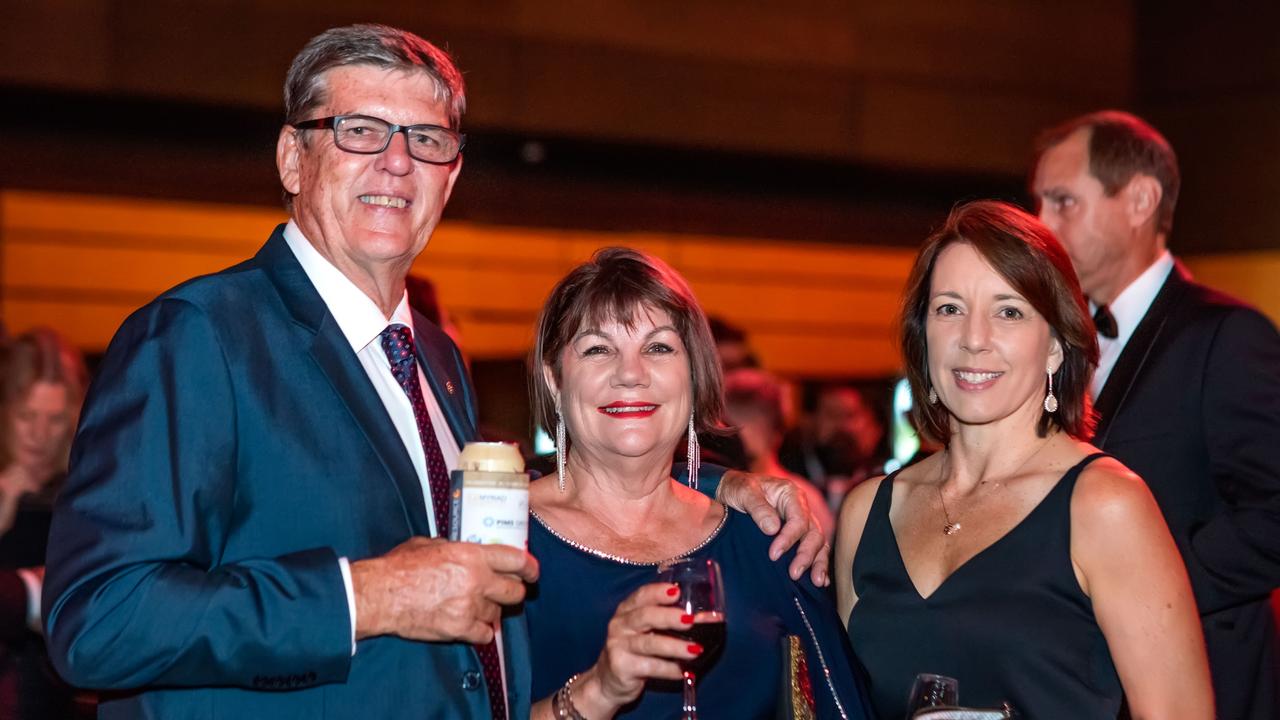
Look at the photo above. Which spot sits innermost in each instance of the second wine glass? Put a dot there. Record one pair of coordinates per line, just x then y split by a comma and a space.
931, 691
702, 596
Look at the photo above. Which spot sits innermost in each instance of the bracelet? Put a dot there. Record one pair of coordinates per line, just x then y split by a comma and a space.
562, 702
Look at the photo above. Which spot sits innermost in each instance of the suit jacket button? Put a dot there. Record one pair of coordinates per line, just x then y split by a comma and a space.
470, 680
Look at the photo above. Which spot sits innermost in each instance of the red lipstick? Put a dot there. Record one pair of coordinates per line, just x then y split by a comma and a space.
628, 410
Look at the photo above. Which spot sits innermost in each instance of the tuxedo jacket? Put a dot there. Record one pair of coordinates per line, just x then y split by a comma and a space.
1193, 406
231, 449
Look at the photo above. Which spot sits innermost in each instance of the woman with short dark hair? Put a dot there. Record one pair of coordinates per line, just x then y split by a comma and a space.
1019, 560
626, 370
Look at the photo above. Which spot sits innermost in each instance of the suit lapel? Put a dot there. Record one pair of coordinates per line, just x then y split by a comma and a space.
1137, 351
451, 390
333, 354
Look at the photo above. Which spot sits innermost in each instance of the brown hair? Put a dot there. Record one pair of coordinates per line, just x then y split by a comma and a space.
39, 355
1122, 145
1027, 255
380, 46
613, 285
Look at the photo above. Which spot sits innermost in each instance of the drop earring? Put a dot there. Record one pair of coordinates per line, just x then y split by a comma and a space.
933, 396
693, 454
1050, 400
561, 450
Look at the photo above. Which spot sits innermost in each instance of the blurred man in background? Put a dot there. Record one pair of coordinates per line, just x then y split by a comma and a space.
1187, 389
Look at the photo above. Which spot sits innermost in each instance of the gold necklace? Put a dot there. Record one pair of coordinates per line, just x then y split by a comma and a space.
952, 527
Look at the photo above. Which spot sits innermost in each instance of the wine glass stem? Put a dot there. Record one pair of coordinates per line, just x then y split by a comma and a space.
690, 697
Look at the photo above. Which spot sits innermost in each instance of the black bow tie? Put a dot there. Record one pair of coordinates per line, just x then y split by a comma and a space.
1105, 323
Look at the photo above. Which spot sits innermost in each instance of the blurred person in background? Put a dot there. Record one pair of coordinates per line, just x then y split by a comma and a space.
839, 446
42, 383
753, 403
731, 345
1187, 388
424, 298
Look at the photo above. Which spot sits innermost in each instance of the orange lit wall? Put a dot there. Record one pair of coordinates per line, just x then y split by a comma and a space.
1251, 276
82, 263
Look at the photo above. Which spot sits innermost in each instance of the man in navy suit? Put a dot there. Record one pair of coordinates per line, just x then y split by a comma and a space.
252, 523
1187, 389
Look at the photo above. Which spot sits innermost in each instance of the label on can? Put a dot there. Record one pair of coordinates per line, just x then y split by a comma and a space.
490, 508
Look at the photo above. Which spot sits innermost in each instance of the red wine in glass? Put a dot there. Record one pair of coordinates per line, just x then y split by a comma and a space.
702, 596
706, 631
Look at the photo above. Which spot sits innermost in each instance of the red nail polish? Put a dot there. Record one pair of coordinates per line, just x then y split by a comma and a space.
673, 591
695, 648
686, 619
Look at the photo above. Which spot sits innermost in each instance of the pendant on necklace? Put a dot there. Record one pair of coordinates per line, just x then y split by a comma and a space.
951, 528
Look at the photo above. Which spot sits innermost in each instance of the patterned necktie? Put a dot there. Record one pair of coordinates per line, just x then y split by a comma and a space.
397, 343
1105, 323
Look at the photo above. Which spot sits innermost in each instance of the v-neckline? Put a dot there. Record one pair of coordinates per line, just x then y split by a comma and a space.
902, 562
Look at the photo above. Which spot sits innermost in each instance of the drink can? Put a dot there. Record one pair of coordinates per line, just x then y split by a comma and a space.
489, 496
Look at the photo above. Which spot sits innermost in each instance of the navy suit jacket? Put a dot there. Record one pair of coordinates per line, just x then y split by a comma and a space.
1193, 406
230, 451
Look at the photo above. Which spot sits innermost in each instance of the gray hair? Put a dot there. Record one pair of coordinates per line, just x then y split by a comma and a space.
376, 45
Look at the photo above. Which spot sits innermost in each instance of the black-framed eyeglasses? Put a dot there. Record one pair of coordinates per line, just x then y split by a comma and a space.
367, 135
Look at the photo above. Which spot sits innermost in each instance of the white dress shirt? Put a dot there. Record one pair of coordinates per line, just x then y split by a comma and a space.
1129, 307
362, 323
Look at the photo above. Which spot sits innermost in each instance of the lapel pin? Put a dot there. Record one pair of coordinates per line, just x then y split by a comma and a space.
448, 386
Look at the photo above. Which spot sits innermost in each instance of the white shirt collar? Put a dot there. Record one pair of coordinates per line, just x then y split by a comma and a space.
1131, 305
357, 315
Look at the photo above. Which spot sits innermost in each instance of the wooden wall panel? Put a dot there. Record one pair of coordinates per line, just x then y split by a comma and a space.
810, 78
82, 263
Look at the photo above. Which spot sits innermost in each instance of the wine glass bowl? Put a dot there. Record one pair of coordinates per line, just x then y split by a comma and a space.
932, 691
702, 596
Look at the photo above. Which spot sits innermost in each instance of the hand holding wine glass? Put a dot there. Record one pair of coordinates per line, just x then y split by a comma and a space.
644, 642
702, 597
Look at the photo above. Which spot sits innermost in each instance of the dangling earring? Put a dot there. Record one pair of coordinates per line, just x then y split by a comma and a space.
1050, 402
561, 450
933, 396
693, 454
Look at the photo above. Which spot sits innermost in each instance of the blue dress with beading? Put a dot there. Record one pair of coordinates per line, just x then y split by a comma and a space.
579, 589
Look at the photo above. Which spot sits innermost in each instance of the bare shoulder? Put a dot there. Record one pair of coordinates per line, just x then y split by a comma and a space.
856, 506
857, 503
1112, 508
850, 524
1110, 495
853, 517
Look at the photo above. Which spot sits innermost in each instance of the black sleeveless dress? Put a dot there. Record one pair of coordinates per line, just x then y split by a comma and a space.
1011, 624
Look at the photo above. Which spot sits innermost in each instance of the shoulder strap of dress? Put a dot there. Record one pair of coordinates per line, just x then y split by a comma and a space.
877, 515
1073, 474
884, 492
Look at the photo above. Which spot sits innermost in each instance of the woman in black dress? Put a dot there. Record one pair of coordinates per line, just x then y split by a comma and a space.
42, 383
1018, 560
